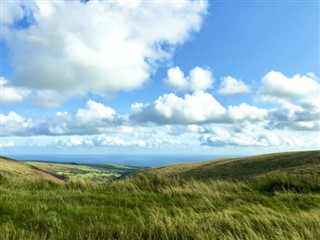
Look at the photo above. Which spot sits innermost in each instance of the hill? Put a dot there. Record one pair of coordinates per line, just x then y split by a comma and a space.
155, 206
13, 168
297, 163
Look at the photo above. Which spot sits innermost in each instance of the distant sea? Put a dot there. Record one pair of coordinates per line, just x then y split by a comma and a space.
133, 160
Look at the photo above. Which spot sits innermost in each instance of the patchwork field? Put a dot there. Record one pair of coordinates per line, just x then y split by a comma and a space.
92, 172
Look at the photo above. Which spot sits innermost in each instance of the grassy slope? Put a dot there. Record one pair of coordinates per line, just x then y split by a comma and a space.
151, 206
307, 162
23, 170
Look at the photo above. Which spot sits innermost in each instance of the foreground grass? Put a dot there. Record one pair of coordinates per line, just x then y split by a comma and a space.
153, 207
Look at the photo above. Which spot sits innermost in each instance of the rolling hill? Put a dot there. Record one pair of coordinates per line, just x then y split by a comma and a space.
301, 163
155, 205
10, 167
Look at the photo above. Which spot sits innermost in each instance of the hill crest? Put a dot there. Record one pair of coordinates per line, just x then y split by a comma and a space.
302, 162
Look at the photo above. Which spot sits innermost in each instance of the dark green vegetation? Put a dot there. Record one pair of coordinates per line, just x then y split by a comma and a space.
280, 204
92, 172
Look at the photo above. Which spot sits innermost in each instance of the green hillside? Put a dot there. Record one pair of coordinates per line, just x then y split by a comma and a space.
17, 169
277, 198
298, 163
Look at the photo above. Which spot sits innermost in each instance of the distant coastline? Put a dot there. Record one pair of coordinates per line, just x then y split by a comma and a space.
146, 160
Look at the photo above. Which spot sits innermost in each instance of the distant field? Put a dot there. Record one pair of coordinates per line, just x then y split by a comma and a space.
280, 200
92, 172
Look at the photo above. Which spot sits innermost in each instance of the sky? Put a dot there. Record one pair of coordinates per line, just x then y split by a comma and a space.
157, 77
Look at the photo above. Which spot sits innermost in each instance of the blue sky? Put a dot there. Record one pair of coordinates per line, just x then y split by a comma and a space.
194, 77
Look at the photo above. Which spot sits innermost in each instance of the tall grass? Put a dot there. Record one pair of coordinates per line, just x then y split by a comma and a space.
155, 207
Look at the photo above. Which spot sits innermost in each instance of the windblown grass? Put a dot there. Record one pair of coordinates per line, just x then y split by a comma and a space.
276, 206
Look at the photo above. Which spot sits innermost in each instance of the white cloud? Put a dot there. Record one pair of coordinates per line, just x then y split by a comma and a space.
11, 94
200, 107
294, 117
245, 112
172, 121
73, 141
112, 141
251, 135
14, 124
224, 137
279, 88
106, 141
299, 97
94, 118
98, 46
43, 143
230, 86
198, 79
176, 79
48, 98
10, 12
94, 111
177, 130
7, 144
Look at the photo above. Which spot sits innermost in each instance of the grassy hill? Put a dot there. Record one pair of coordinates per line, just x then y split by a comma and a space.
279, 200
16, 169
298, 163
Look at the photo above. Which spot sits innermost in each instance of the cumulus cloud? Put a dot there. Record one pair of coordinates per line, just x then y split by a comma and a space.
299, 98
10, 94
93, 119
230, 86
199, 107
277, 87
162, 123
245, 112
294, 117
198, 79
246, 136
14, 124
97, 46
